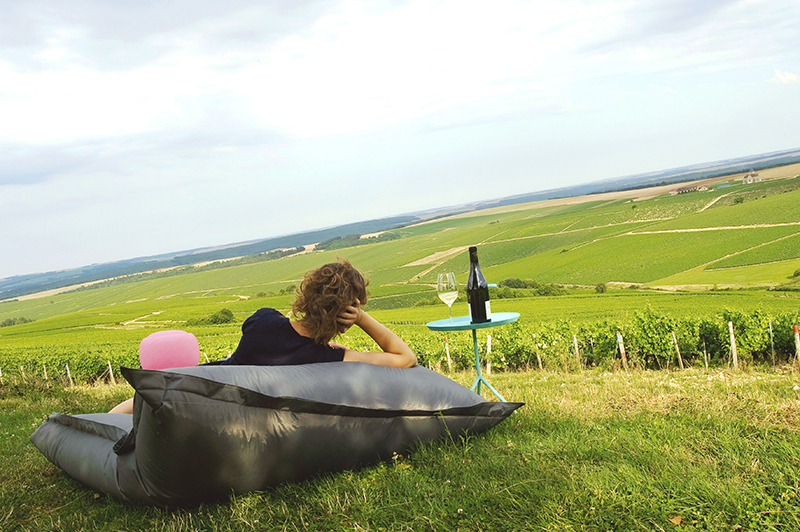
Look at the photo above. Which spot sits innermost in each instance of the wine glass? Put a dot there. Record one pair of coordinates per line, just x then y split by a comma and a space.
447, 288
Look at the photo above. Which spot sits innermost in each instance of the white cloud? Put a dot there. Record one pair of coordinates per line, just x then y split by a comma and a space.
366, 67
785, 78
359, 67
75, 103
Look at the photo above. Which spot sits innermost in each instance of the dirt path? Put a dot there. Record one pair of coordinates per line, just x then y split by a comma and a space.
716, 228
435, 259
713, 202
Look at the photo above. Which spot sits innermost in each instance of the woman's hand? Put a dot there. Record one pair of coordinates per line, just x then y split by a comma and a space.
349, 316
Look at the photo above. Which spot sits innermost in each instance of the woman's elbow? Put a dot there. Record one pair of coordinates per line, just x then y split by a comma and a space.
409, 360
403, 359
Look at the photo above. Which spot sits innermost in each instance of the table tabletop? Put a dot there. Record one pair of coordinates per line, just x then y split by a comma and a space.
464, 323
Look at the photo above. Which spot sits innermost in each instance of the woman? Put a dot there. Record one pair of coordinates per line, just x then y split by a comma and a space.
328, 303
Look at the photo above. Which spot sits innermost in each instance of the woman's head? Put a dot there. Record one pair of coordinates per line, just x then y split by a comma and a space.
324, 294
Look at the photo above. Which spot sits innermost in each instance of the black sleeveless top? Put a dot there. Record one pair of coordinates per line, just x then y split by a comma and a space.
268, 339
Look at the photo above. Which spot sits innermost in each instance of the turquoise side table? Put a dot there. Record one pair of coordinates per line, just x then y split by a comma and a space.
463, 323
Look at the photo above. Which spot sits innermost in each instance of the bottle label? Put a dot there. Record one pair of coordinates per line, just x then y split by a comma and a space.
488, 306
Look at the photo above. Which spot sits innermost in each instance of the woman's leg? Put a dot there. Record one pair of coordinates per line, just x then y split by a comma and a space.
125, 407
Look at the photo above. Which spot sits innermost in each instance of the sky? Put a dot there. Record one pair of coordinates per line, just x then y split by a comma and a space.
133, 128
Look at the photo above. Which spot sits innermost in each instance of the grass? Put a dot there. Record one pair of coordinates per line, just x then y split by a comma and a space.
633, 258
782, 249
590, 451
755, 275
587, 307
780, 206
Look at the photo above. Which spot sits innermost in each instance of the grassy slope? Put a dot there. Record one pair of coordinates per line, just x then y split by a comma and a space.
783, 249
589, 451
585, 243
756, 275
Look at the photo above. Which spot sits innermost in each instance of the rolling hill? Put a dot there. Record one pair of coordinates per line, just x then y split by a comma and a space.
729, 236
22, 285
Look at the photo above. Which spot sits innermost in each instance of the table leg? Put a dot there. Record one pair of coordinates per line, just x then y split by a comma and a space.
476, 386
479, 378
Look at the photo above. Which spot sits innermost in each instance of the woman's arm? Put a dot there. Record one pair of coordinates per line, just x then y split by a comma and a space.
396, 352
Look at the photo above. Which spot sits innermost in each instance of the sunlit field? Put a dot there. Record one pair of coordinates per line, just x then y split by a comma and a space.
703, 450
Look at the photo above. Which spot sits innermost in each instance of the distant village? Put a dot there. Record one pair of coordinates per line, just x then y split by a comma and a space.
748, 179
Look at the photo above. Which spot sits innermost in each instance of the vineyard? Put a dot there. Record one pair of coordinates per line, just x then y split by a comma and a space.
651, 340
646, 322
679, 269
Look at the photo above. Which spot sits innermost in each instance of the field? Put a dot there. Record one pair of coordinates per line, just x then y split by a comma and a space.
658, 254
594, 449
89, 342
693, 450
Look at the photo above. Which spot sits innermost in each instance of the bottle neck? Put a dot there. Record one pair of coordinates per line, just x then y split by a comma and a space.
474, 269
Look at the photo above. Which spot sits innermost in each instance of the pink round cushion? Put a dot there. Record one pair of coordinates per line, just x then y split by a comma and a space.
169, 349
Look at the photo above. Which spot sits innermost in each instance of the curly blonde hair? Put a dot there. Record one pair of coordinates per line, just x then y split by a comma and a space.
324, 294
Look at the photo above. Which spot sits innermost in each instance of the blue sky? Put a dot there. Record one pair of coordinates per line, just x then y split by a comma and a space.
135, 128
